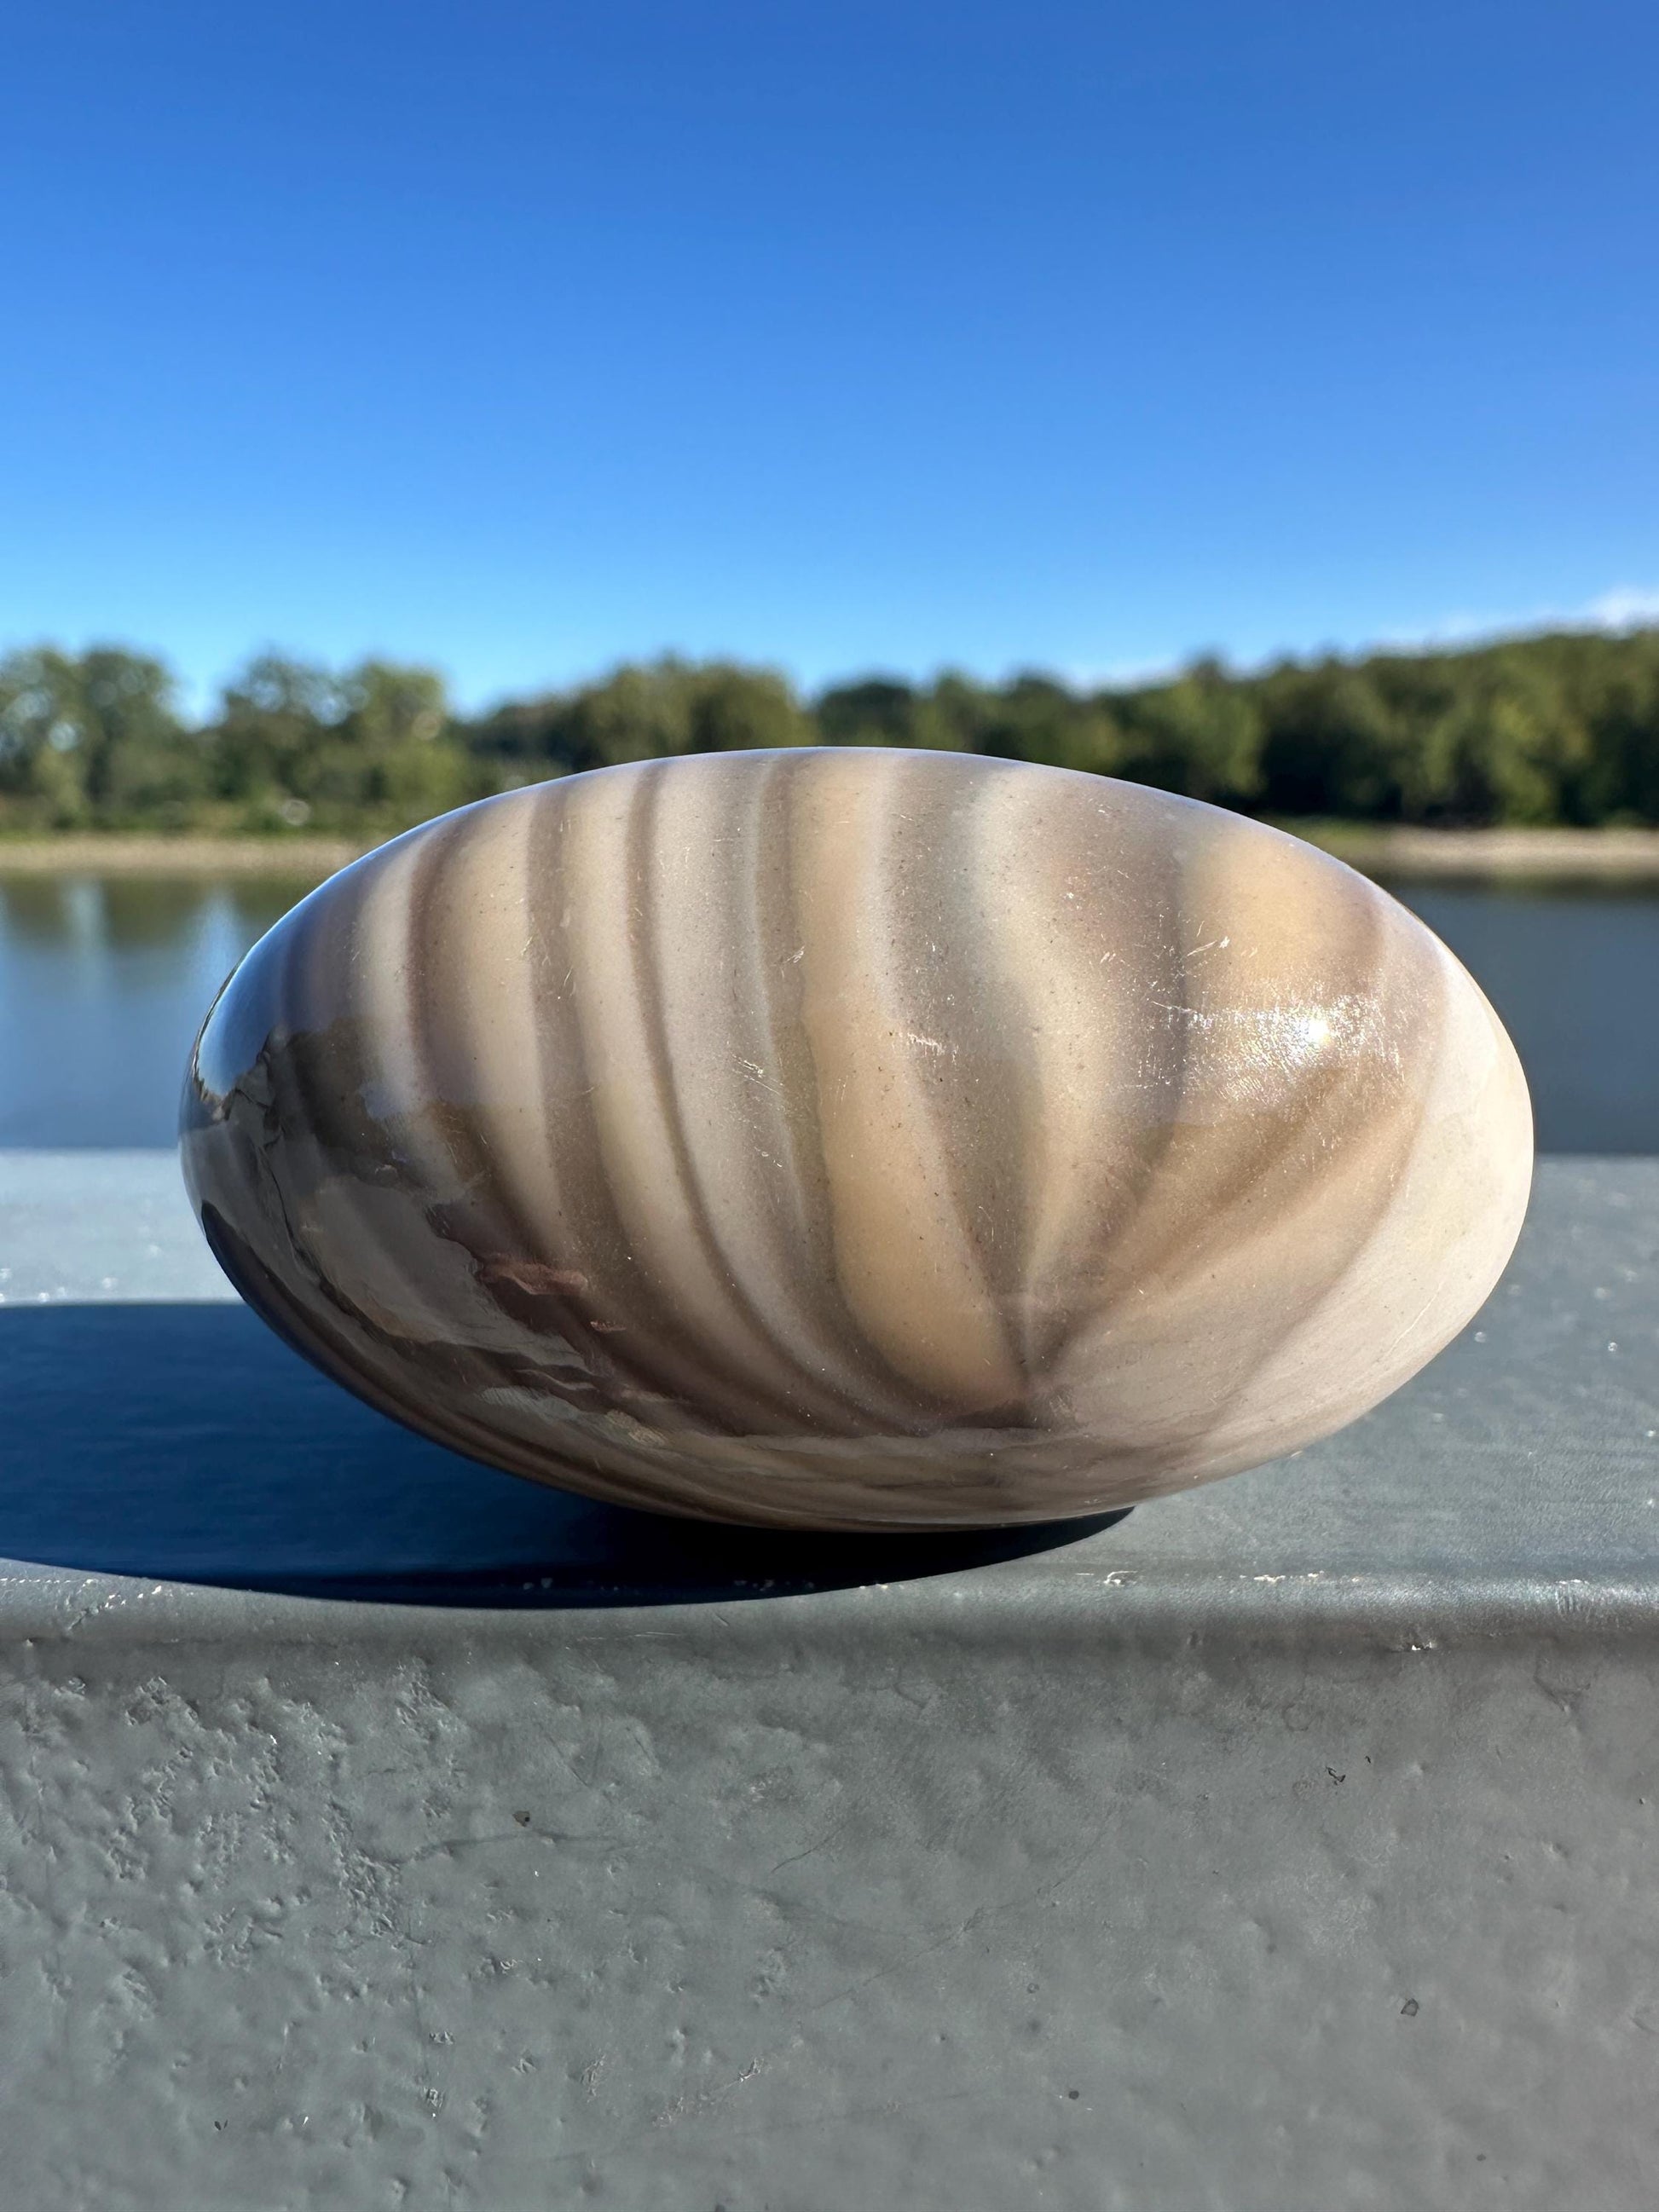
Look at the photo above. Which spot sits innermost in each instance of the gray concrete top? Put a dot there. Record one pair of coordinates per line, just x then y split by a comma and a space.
377, 1831
169, 1459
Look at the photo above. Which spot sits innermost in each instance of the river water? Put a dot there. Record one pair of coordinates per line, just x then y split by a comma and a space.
103, 980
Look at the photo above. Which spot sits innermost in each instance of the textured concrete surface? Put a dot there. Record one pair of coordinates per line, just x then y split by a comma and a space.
1290, 1845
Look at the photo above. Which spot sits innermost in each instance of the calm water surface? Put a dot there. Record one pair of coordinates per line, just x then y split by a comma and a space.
104, 980
1573, 969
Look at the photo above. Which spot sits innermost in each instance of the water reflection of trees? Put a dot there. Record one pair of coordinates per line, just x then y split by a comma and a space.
40, 910
139, 913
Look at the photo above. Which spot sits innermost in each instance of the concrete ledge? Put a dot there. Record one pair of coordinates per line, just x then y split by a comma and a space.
375, 1830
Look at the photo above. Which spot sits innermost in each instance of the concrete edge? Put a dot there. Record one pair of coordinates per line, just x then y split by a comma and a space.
1103, 1607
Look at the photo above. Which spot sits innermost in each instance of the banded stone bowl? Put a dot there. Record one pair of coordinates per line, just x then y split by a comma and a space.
858, 1139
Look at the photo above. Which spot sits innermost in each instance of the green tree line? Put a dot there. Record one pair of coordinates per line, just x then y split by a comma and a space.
1555, 728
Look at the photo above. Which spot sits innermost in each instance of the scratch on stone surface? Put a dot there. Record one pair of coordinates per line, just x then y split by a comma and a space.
704, 2100
975, 1918
590, 2073
887, 2111
513, 1835
1402, 1332
829, 1835
836, 2115
108, 1600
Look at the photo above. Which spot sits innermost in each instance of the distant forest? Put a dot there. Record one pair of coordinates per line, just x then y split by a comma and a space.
1561, 728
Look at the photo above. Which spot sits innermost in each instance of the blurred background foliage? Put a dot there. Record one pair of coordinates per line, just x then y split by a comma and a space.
1556, 728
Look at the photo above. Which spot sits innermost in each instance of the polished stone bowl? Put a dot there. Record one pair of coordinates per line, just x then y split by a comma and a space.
858, 1139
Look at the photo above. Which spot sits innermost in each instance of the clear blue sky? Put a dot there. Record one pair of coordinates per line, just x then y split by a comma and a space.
520, 337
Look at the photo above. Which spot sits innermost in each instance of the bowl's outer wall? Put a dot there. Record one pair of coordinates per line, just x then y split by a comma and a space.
858, 1139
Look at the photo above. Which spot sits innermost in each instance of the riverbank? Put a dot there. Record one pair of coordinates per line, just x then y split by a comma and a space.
1392, 850
113, 853
1380, 851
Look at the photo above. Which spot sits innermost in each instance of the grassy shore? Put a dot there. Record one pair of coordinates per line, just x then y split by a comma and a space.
1383, 850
